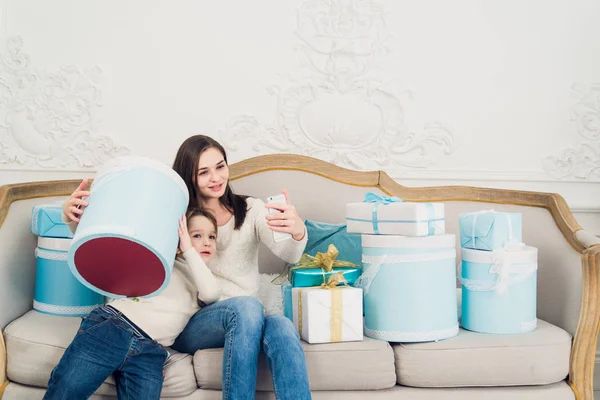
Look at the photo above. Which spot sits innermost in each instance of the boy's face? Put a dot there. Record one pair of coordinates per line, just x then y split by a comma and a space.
204, 238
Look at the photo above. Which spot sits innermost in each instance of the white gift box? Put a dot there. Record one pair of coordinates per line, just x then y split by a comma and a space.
396, 218
323, 315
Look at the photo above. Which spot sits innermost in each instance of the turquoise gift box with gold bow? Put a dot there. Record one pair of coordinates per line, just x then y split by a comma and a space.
321, 269
384, 215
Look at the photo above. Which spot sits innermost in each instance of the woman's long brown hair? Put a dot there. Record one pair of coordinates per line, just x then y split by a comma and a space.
186, 165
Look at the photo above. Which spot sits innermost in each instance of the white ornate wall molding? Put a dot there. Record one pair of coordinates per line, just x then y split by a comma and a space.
336, 110
583, 161
50, 119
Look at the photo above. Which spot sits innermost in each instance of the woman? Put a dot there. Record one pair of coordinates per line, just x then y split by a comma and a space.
237, 322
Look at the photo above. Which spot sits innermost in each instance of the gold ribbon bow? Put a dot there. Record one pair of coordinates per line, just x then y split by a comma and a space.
334, 280
326, 261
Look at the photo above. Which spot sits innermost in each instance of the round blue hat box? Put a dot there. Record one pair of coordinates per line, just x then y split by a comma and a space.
57, 291
127, 238
499, 290
409, 286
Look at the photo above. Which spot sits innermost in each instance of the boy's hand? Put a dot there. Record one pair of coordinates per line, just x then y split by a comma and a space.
73, 207
185, 242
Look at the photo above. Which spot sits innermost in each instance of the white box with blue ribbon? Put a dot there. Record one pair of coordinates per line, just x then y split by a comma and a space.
46, 221
383, 215
489, 230
409, 286
499, 290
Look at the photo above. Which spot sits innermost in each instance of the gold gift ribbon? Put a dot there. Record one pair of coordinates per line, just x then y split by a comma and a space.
336, 315
326, 261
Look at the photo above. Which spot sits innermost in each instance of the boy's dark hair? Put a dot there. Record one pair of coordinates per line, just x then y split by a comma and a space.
199, 212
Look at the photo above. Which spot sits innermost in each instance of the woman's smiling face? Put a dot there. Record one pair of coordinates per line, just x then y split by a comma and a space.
213, 174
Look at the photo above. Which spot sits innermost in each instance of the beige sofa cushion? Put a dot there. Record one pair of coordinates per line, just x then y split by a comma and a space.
478, 359
35, 343
366, 365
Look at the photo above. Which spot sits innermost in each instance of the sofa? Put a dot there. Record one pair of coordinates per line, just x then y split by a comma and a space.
555, 361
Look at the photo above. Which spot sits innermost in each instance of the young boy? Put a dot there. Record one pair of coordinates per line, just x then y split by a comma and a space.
127, 337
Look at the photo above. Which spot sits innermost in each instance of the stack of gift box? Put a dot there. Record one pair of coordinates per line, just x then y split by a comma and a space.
57, 291
498, 274
319, 298
408, 278
409, 269
407, 284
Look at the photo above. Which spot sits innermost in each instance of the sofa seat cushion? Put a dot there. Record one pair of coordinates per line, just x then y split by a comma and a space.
35, 343
364, 365
477, 359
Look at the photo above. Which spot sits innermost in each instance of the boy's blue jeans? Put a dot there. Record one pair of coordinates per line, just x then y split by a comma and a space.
239, 325
107, 344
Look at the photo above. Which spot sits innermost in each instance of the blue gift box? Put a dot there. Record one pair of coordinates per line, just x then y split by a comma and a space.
499, 290
46, 221
489, 230
57, 291
409, 286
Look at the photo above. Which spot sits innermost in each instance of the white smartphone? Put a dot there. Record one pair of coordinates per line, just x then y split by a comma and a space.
277, 199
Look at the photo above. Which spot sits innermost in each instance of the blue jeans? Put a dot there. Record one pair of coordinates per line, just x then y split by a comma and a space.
240, 326
107, 344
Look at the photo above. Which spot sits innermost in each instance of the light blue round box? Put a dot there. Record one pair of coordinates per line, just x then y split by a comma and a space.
409, 286
499, 290
57, 291
138, 200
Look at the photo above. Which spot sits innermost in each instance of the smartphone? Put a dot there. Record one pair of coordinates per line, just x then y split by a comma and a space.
278, 199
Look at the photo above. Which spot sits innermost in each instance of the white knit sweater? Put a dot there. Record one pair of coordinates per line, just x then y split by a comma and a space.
164, 316
236, 264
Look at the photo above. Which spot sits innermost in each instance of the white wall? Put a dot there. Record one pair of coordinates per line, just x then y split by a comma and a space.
503, 94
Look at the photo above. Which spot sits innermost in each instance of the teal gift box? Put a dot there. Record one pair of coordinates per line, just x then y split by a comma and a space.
317, 270
286, 294
307, 277
489, 230
46, 221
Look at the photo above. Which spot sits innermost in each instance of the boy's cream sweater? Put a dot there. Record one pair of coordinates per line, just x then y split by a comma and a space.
164, 316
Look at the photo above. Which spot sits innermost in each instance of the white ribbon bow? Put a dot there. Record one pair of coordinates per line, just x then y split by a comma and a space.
502, 266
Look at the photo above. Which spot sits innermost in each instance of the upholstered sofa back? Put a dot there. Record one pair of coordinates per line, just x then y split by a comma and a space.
321, 199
